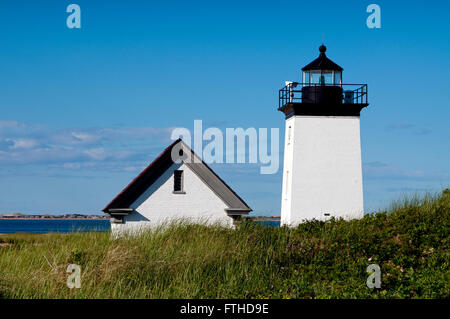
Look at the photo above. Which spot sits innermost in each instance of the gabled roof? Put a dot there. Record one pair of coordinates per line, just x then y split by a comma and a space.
322, 62
120, 205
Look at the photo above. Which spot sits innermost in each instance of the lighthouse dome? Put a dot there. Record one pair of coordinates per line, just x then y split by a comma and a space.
322, 62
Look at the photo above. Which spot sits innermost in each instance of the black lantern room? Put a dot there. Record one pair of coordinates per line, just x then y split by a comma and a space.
322, 91
322, 71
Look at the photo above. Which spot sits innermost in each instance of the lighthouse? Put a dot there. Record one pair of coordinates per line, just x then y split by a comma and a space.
322, 173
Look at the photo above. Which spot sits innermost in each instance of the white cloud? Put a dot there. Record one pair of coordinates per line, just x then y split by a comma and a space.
380, 170
10, 124
409, 127
81, 136
96, 153
21, 143
72, 165
106, 148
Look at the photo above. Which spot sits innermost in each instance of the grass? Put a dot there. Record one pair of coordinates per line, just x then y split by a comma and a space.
314, 260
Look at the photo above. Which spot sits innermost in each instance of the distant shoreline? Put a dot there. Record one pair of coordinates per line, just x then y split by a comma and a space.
31, 218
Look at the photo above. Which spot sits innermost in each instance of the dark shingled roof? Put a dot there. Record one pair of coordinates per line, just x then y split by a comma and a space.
322, 62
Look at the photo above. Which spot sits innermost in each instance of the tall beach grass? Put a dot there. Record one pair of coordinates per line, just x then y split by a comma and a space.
410, 242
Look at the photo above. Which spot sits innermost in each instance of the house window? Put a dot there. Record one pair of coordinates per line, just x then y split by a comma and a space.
178, 182
289, 135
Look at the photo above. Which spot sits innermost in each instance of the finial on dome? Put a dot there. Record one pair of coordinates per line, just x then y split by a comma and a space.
322, 48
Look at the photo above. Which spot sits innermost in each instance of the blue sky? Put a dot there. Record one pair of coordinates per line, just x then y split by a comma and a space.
84, 110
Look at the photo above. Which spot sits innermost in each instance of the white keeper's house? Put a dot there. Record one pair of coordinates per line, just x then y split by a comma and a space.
176, 185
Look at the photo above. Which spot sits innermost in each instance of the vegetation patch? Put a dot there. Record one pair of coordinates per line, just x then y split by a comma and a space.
410, 243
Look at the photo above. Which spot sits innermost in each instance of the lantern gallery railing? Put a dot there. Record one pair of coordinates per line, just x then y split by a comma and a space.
295, 92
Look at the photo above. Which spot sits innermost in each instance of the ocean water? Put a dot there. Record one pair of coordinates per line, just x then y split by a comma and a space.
269, 223
8, 226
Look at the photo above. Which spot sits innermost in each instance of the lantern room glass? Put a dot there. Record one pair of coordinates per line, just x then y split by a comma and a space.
322, 77
337, 78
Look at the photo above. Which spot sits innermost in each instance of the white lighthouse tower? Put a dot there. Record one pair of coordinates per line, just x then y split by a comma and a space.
322, 175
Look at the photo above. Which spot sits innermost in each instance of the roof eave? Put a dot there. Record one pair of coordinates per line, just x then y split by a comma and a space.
118, 211
237, 211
